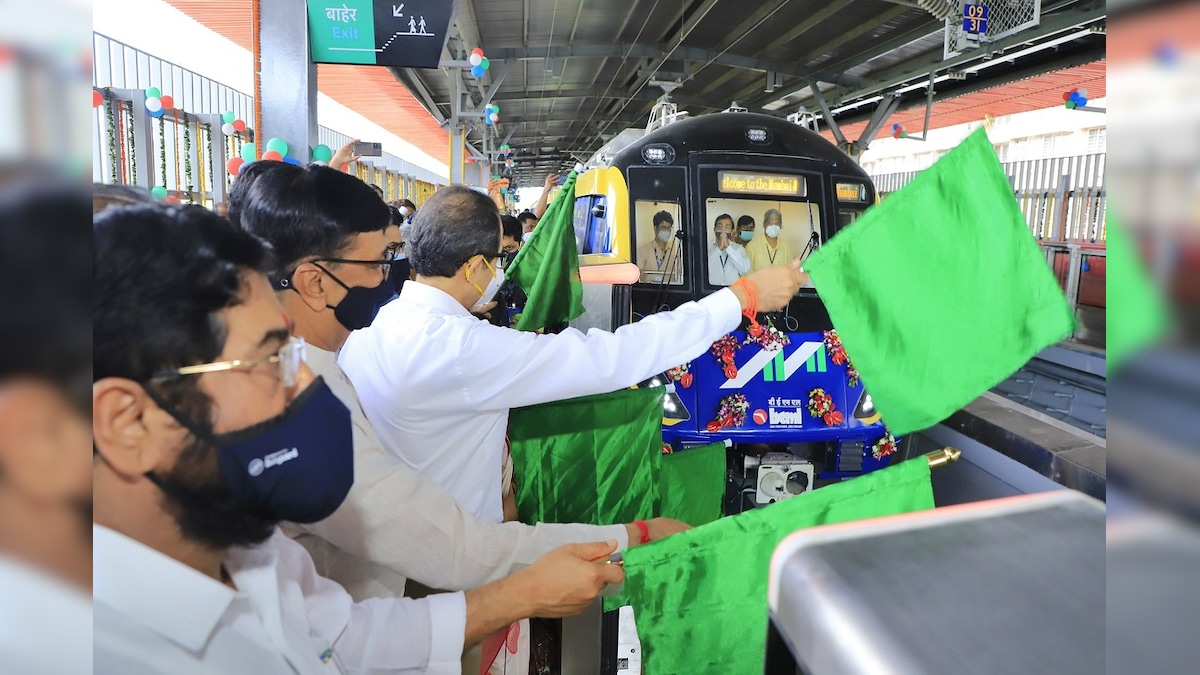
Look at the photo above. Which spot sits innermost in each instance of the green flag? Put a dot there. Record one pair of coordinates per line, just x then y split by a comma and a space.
940, 292
691, 484
590, 460
547, 266
700, 597
1143, 316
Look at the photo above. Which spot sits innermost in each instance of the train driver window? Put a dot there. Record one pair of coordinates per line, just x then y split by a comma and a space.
763, 233
659, 250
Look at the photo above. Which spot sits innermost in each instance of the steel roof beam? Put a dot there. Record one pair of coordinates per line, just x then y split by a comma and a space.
644, 51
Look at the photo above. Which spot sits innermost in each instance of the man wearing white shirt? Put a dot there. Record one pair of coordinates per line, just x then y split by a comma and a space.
209, 430
727, 260
437, 384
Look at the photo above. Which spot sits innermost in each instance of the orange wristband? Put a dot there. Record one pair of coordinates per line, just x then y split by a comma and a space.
751, 291
644, 529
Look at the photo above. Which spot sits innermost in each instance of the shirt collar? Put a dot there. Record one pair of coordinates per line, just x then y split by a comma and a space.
429, 296
156, 590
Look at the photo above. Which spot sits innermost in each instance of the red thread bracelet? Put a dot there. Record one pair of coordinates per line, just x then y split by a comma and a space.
751, 291
644, 529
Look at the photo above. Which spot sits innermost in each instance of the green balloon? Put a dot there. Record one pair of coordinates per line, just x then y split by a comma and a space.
485, 63
279, 145
228, 117
1070, 105
322, 153
158, 192
248, 152
903, 134
153, 92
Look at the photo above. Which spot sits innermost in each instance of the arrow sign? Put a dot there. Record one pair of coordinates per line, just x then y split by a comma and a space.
407, 34
396, 11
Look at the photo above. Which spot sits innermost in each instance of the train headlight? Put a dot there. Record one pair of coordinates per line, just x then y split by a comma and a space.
658, 153
758, 135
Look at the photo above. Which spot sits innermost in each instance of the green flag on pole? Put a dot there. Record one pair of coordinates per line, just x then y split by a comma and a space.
547, 266
940, 292
593, 459
1143, 315
692, 483
700, 597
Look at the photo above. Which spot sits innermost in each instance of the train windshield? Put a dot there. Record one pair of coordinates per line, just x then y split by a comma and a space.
659, 249
744, 235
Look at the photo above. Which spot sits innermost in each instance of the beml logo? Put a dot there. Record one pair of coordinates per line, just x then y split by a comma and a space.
795, 417
257, 466
776, 368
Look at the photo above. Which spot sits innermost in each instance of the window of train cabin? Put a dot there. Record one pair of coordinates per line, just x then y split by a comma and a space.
852, 201
738, 241
659, 250
591, 225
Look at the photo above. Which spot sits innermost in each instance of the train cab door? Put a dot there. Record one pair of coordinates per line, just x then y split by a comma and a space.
747, 195
662, 241
853, 196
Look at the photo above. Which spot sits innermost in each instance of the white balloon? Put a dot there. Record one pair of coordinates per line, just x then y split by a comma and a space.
317, 161
1083, 92
228, 129
475, 59
153, 104
495, 117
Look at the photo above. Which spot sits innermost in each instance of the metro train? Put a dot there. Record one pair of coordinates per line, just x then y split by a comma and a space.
805, 396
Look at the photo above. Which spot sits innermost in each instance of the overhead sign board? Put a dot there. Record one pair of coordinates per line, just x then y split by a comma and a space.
975, 19
408, 34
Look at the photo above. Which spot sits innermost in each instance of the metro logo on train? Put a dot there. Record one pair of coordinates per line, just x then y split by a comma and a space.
776, 368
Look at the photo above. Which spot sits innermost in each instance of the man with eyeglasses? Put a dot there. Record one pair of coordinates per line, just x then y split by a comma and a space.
208, 430
395, 524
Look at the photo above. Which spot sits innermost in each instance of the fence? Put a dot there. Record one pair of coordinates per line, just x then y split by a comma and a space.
184, 151
1062, 198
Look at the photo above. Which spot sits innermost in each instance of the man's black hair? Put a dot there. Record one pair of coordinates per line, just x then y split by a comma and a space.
308, 212
525, 216
743, 221
455, 224
241, 186
45, 258
512, 227
663, 217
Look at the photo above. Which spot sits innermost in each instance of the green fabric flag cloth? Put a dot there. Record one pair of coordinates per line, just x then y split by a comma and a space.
691, 484
547, 266
700, 597
940, 292
1143, 315
592, 460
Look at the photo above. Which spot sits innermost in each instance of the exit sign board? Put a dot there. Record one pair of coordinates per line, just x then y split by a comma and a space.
402, 34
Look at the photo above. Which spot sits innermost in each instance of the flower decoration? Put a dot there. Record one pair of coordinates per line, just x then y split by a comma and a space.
667, 449
820, 405
731, 413
723, 350
681, 375
837, 354
884, 446
768, 337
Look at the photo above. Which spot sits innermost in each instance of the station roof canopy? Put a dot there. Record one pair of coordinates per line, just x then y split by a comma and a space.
569, 75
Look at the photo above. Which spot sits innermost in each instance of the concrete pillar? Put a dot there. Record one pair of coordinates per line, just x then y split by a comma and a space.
456, 153
289, 79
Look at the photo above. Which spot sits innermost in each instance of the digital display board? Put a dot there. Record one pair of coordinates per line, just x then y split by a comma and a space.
408, 34
754, 183
852, 192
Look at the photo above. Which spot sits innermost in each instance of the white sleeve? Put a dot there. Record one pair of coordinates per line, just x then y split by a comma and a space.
380, 635
398, 518
510, 369
740, 259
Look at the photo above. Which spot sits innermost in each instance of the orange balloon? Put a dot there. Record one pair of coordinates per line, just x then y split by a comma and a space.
345, 167
168, 103
239, 125
272, 155
234, 165
172, 199
97, 99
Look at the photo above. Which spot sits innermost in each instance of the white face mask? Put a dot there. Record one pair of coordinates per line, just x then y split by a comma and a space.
404, 211
772, 231
664, 236
493, 286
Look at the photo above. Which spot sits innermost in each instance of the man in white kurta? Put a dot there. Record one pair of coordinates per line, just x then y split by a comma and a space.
437, 383
727, 259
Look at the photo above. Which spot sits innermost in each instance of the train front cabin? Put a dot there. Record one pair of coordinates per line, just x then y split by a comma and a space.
736, 164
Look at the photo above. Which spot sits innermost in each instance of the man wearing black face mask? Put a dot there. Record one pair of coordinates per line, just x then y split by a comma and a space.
510, 294
209, 429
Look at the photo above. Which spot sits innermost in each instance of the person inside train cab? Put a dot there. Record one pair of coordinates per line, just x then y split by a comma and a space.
727, 259
661, 259
770, 250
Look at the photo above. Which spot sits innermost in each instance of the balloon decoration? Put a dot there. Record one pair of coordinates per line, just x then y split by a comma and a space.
248, 151
97, 99
153, 92
322, 153
239, 125
491, 113
228, 117
168, 103
272, 155
278, 145
228, 129
172, 199
1076, 98
153, 104
158, 192
479, 63
234, 165
898, 131
345, 168
291, 160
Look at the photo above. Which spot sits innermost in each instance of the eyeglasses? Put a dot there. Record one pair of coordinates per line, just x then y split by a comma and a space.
288, 358
385, 264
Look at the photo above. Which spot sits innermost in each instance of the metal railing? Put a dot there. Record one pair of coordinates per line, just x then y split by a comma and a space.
184, 151
1062, 198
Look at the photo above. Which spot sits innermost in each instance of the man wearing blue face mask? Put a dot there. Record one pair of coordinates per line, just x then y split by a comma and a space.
208, 430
